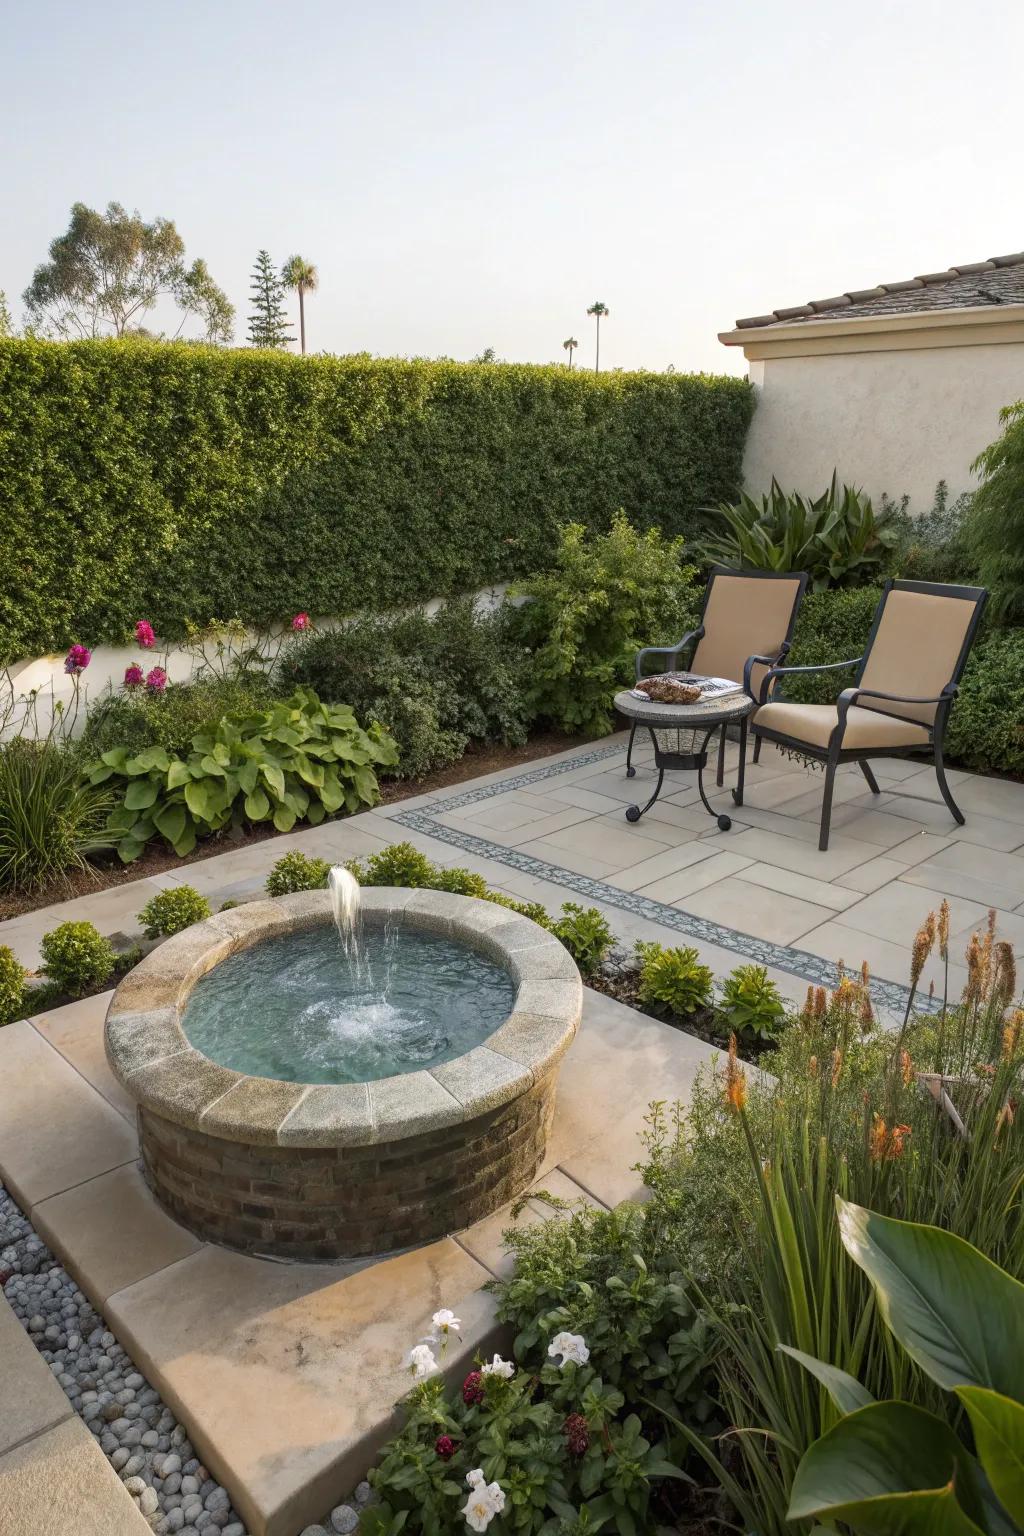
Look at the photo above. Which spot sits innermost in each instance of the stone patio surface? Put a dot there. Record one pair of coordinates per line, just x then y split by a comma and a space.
285, 1375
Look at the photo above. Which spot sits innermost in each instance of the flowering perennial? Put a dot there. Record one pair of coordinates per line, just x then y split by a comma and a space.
577, 1434
444, 1323
485, 1501
134, 677
499, 1367
571, 1346
156, 680
301, 621
445, 1447
77, 659
473, 1389
421, 1361
145, 635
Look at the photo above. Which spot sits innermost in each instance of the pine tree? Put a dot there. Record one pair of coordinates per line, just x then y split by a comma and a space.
268, 323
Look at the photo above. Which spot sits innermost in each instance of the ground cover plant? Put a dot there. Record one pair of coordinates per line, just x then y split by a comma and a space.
296, 871
170, 911
76, 958
300, 760
204, 482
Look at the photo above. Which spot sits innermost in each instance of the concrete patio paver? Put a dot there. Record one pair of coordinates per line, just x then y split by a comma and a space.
76, 1031
61, 1482
31, 1400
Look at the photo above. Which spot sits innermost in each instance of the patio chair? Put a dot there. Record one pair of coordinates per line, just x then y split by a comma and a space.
746, 626
905, 685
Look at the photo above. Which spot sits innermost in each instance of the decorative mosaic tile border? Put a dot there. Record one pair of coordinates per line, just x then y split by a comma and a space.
890, 995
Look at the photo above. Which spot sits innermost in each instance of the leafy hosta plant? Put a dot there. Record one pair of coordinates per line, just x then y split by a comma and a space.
893, 1468
839, 537
300, 760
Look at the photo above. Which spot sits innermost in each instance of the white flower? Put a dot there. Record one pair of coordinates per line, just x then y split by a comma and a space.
421, 1360
499, 1367
445, 1322
485, 1501
571, 1346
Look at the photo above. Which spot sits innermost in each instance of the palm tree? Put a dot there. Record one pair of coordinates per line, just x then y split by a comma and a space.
597, 309
301, 275
570, 346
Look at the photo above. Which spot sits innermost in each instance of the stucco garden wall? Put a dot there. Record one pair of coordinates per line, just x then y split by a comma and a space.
896, 421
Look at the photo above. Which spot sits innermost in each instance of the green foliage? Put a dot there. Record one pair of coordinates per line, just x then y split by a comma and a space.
838, 537
933, 546
751, 1006
110, 269
299, 760
296, 871
532, 909
268, 323
180, 482
136, 718
605, 598
436, 683
585, 934
172, 910
460, 882
398, 864
986, 728
76, 958
894, 1465
996, 525
674, 979
13, 976
6, 322
831, 626
50, 822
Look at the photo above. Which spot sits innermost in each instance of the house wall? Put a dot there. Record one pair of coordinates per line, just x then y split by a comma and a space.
896, 420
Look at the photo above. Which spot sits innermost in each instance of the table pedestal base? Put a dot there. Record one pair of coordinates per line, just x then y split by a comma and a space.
696, 760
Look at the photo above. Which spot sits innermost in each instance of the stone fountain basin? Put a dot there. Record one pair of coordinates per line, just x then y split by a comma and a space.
331, 1171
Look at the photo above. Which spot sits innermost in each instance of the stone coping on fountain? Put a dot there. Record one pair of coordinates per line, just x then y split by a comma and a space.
151, 1056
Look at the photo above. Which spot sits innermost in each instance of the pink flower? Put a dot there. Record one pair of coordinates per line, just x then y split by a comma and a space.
156, 681
145, 635
78, 658
445, 1447
134, 677
300, 621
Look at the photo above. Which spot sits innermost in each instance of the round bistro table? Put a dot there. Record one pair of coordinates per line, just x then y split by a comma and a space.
680, 734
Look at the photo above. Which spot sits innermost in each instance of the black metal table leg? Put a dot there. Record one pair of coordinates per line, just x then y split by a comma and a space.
634, 812
724, 821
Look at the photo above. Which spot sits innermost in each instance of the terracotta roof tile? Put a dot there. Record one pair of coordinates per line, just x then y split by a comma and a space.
999, 280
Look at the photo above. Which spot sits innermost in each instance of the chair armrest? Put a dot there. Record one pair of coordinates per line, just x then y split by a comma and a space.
826, 666
764, 661
849, 696
666, 650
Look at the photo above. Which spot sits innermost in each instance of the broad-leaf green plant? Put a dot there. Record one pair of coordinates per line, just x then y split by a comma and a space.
300, 760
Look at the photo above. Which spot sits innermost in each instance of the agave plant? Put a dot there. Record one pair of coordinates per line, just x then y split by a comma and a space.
838, 537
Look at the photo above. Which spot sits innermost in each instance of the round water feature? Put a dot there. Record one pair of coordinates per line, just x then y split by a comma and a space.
313, 1092
299, 1008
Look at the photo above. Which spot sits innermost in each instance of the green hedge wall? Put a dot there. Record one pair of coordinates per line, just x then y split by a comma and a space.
178, 482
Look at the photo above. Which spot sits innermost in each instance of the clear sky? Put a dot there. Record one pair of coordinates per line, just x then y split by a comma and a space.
467, 175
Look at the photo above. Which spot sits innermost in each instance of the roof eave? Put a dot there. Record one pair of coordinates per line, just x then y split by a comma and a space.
815, 332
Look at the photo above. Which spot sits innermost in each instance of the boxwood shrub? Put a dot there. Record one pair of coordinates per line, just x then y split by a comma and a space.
182, 482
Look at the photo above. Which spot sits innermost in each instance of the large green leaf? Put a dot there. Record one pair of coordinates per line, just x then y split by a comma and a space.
140, 795
170, 821
178, 774
257, 806
151, 757
890, 1470
954, 1311
205, 799
274, 778
844, 1390
129, 848
998, 1425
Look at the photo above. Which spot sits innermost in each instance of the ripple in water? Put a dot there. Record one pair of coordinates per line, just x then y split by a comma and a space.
298, 1008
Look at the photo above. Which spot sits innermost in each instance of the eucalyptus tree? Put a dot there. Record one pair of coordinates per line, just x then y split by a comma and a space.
108, 270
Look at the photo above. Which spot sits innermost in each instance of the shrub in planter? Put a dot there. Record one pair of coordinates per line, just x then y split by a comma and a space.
831, 626
461, 882
986, 724
397, 864
172, 910
585, 934
674, 979
299, 760
13, 976
77, 958
295, 871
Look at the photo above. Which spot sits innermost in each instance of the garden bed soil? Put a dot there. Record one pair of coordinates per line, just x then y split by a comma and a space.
705, 1024
156, 861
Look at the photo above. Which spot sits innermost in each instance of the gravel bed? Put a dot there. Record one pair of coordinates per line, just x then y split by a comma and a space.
146, 1446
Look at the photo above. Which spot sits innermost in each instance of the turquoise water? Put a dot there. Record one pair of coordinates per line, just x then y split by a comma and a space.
297, 1008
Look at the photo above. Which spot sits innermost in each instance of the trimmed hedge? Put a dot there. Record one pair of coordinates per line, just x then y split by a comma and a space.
179, 482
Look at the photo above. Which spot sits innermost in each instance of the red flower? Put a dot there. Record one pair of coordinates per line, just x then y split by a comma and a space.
145, 635
78, 658
156, 680
473, 1389
134, 677
445, 1447
300, 621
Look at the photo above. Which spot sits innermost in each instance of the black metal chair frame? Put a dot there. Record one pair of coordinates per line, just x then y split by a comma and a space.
719, 572
834, 754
